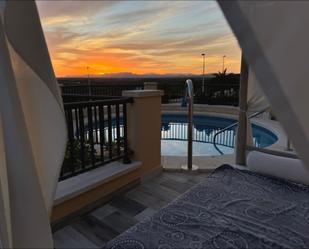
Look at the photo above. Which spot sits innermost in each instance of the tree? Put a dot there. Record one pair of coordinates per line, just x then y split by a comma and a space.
221, 77
225, 78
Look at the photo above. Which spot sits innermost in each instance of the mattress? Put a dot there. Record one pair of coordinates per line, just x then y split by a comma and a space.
231, 208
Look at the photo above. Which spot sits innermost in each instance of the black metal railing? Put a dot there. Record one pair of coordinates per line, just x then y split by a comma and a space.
71, 98
213, 94
173, 93
101, 90
178, 131
226, 137
218, 94
97, 134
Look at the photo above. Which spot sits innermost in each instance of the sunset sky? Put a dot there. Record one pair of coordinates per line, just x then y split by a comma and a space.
137, 36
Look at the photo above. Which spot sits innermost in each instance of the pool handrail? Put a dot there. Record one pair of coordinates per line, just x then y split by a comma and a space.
231, 126
190, 100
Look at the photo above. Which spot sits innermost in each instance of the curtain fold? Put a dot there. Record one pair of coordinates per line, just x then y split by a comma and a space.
33, 139
5, 213
256, 99
274, 40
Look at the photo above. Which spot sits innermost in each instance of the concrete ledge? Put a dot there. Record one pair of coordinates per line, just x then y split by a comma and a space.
215, 110
205, 163
79, 184
142, 93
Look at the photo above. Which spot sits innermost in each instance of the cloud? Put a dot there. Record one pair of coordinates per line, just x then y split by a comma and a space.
134, 15
55, 13
136, 36
52, 8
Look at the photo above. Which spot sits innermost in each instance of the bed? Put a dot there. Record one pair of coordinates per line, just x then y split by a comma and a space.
232, 208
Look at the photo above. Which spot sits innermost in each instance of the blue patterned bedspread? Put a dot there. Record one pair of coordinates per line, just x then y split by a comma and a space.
230, 209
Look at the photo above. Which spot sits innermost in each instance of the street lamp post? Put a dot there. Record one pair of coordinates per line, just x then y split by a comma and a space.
89, 85
203, 84
223, 63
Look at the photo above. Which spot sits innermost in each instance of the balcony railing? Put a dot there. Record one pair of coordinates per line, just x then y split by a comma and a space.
214, 94
102, 90
97, 134
218, 94
70, 98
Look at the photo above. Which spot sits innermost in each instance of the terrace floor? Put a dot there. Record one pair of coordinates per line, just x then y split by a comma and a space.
123, 211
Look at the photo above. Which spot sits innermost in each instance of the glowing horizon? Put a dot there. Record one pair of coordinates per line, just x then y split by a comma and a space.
139, 37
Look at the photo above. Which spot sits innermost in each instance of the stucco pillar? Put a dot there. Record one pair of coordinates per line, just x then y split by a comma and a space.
144, 127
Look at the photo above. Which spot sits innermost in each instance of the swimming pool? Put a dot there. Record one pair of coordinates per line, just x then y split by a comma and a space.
174, 135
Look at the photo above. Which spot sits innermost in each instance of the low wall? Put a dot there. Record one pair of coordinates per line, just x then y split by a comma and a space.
144, 138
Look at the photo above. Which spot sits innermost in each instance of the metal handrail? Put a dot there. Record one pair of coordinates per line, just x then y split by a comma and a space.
190, 99
109, 101
231, 126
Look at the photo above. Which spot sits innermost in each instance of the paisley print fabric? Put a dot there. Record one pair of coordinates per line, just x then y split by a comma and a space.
230, 209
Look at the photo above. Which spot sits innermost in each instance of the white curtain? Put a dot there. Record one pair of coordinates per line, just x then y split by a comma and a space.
274, 40
32, 128
256, 99
256, 102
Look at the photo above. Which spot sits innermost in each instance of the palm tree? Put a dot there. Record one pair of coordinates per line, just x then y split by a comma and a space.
221, 76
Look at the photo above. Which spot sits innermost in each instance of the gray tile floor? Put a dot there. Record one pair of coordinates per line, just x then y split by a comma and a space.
122, 212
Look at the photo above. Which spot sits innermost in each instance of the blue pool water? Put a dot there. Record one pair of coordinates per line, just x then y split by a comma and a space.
174, 135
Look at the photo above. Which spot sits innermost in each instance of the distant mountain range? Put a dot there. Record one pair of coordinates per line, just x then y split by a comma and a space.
132, 75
